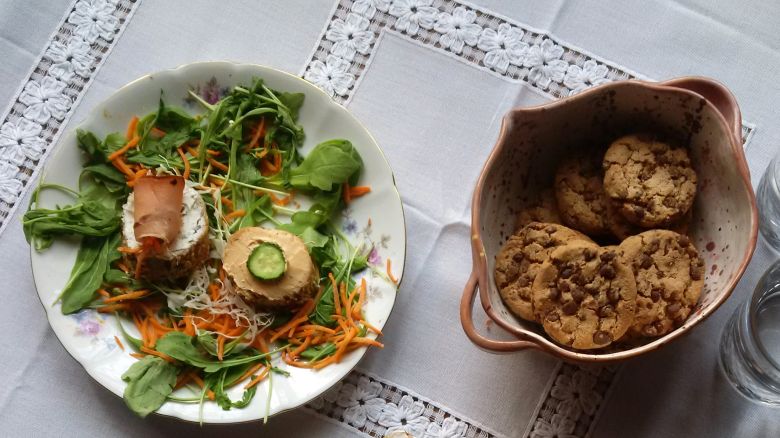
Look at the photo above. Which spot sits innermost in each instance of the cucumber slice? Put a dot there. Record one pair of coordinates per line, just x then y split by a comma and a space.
267, 261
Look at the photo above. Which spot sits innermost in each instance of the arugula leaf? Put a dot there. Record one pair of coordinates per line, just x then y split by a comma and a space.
329, 163
92, 262
317, 352
293, 102
149, 382
106, 175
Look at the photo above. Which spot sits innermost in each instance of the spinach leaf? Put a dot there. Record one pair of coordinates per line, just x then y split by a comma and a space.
317, 352
329, 163
106, 175
180, 347
293, 102
92, 262
149, 382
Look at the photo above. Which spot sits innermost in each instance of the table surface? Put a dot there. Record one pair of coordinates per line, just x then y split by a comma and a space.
436, 111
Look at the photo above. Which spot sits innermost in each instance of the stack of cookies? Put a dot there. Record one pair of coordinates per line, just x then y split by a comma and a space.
644, 281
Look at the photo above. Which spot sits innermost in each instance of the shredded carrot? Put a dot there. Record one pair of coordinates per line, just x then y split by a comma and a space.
227, 202
189, 327
371, 327
390, 272
343, 345
257, 379
302, 347
186, 173
128, 296
128, 250
162, 356
123, 267
250, 371
184, 378
234, 214
121, 151
346, 193
113, 308
359, 305
280, 201
137, 355
131, 128
217, 164
220, 346
199, 381
104, 293
214, 292
259, 132
260, 340
358, 191
158, 132
301, 316
122, 166
344, 300
118, 342
317, 328
367, 341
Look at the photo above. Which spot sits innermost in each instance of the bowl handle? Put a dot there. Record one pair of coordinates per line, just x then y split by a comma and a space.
466, 314
718, 95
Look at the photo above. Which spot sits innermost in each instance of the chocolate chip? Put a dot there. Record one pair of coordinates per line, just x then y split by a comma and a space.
591, 289
601, 337
578, 295
606, 311
570, 308
552, 316
564, 286
639, 211
653, 246
655, 295
566, 272
578, 278
683, 240
518, 257
697, 272
613, 295
645, 261
608, 256
672, 309
589, 254
607, 272
523, 281
553, 293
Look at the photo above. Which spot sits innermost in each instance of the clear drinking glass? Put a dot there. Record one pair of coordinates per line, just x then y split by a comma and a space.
768, 198
750, 345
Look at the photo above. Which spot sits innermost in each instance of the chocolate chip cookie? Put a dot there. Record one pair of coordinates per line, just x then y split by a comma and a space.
543, 209
584, 295
579, 191
623, 229
519, 260
652, 183
669, 279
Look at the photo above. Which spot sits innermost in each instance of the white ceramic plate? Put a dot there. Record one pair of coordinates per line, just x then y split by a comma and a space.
376, 219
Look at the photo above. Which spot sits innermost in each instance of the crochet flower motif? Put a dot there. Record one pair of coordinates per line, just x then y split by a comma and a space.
368, 8
331, 75
413, 15
350, 36
69, 59
577, 394
93, 19
449, 428
590, 74
362, 402
457, 29
10, 187
557, 427
503, 47
44, 100
19, 139
406, 416
546, 65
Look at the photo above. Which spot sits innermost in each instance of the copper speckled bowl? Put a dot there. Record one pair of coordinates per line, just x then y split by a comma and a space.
697, 111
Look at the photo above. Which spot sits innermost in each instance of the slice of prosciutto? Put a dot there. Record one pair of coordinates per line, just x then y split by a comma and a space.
157, 212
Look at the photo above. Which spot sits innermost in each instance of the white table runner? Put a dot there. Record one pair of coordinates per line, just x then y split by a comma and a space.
431, 80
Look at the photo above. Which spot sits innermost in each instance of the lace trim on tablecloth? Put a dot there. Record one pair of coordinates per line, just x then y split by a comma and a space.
515, 52
378, 408
55, 84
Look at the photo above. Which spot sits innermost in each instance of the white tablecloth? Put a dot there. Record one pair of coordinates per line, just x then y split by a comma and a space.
437, 117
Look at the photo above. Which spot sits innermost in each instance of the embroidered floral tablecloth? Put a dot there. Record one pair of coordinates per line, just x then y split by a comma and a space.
431, 80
